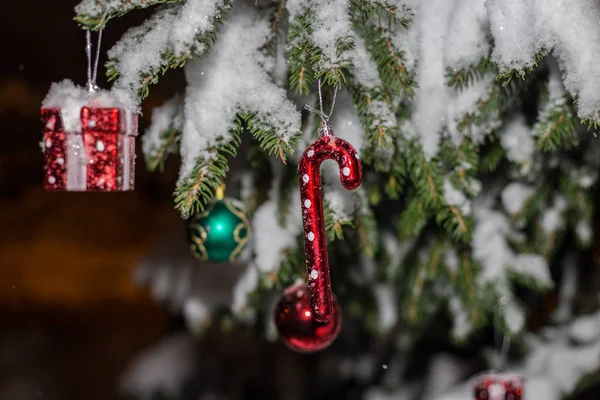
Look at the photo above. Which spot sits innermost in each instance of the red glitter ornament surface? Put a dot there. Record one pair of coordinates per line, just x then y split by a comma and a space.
54, 151
296, 326
101, 128
496, 386
100, 158
315, 240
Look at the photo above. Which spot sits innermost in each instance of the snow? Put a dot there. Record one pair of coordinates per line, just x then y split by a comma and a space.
196, 313
444, 371
454, 197
431, 95
515, 138
461, 324
515, 196
533, 266
218, 90
585, 329
552, 219
490, 248
166, 117
165, 367
270, 239
170, 30
295, 8
330, 24
387, 306
100, 7
451, 260
364, 67
247, 283
465, 41
465, 102
584, 231
567, 290
396, 252
521, 28
70, 98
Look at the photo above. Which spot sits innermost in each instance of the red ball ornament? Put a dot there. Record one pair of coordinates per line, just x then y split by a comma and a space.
296, 325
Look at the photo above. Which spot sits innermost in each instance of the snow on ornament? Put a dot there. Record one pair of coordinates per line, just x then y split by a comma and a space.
498, 386
89, 139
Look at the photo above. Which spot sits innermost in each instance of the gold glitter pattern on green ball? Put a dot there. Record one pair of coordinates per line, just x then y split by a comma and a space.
220, 232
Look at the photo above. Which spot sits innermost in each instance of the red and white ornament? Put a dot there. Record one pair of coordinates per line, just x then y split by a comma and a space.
315, 240
498, 386
295, 323
89, 139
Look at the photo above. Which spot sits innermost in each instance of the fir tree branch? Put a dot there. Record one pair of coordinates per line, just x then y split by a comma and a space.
416, 298
466, 76
333, 227
507, 76
95, 14
209, 172
396, 181
299, 54
413, 219
390, 61
164, 134
468, 290
391, 11
269, 140
169, 144
289, 180
138, 74
376, 115
366, 227
556, 127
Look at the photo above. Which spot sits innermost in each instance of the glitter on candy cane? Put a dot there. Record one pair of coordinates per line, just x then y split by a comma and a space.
315, 243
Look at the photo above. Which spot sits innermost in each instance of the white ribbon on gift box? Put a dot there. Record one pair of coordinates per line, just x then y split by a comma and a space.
77, 161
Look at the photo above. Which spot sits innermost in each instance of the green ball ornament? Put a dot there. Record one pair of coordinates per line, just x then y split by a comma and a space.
221, 231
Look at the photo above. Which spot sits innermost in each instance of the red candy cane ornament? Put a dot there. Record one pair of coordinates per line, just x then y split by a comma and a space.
315, 241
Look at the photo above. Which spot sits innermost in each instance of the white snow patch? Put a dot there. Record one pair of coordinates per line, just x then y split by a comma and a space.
387, 305
171, 29
521, 28
514, 197
533, 266
232, 79
454, 197
165, 368
270, 239
515, 138
168, 116
70, 98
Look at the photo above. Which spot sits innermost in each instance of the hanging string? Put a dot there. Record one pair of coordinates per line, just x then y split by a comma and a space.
88, 53
326, 129
504, 349
93, 75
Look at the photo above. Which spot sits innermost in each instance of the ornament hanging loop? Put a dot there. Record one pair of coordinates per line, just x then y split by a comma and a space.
325, 129
92, 73
503, 349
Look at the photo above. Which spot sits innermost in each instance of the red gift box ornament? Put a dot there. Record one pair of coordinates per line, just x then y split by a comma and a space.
498, 386
89, 139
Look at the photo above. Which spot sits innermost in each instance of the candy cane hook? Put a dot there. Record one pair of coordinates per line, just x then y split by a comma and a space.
315, 241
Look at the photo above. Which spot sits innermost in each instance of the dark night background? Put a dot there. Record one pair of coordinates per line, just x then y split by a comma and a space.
71, 318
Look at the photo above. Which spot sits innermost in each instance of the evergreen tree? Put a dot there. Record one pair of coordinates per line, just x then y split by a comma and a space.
474, 121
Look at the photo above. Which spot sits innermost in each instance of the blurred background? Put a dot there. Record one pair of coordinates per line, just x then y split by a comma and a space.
71, 316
